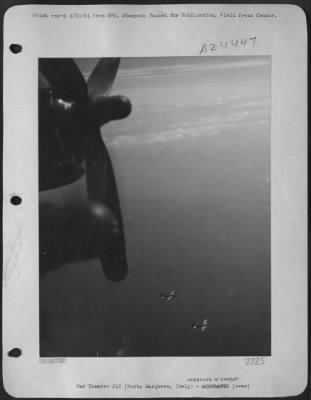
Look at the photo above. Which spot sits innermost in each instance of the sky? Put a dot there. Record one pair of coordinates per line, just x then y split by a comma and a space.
222, 90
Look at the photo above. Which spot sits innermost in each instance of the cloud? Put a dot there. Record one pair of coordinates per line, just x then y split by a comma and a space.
161, 124
166, 71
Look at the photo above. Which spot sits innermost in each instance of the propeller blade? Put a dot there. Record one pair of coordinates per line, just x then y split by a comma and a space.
99, 168
102, 77
101, 188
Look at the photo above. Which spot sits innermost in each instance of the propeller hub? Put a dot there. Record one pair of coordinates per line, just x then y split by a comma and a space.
103, 109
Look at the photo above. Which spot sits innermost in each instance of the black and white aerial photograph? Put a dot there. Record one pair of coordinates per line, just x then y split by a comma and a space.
154, 206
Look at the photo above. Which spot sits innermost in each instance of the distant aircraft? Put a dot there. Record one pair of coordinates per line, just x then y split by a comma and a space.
202, 326
168, 296
121, 352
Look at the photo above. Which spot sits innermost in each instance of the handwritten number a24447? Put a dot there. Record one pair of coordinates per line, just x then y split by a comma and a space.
211, 47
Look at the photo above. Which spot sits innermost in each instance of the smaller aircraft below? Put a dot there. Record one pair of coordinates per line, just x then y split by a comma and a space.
202, 326
168, 296
121, 352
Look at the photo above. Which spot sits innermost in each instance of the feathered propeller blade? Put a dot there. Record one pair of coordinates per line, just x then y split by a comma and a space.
102, 189
102, 77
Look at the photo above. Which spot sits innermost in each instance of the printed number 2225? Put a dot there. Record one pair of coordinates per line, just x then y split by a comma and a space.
254, 361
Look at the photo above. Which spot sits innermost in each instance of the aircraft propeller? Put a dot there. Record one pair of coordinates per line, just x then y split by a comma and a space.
71, 113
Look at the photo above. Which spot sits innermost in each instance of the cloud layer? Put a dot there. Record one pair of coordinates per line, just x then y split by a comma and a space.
161, 123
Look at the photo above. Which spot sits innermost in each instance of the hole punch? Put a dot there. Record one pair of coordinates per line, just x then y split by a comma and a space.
16, 48
16, 352
16, 200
